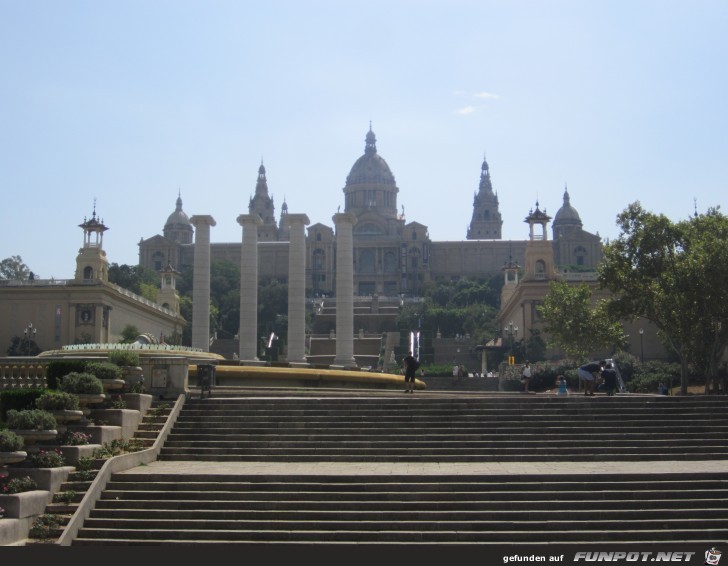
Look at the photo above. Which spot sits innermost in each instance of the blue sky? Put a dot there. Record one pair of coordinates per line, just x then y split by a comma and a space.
129, 102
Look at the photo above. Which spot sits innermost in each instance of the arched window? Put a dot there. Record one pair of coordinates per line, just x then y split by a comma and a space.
390, 262
88, 272
366, 261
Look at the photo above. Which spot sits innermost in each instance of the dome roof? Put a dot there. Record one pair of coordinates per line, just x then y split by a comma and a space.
178, 219
370, 168
567, 214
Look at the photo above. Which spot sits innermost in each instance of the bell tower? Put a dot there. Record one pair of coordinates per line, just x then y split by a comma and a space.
91, 262
167, 295
539, 253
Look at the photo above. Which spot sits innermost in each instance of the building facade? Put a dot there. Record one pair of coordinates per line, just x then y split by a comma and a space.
391, 255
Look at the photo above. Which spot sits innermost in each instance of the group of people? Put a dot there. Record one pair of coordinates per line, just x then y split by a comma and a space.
593, 370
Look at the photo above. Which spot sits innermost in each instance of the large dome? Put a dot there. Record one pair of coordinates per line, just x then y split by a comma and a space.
567, 214
178, 219
370, 168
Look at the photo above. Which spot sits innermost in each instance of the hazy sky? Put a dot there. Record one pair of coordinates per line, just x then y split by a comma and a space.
129, 102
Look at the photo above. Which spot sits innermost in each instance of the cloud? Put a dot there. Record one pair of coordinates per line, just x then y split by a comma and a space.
466, 110
486, 95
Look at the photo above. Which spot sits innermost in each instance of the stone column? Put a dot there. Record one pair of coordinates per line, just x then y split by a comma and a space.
248, 332
344, 223
201, 283
297, 288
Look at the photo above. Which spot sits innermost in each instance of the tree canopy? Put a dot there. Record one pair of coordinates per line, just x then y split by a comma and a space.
673, 274
574, 324
13, 268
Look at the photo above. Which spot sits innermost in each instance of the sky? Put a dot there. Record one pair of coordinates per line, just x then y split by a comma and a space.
123, 105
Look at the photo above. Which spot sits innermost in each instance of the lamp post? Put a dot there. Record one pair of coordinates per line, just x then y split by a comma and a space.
511, 331
29, 334
642, 346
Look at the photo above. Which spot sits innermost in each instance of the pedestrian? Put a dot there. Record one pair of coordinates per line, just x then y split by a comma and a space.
609, 375
563, 385
526, 376
587, 374
410, 367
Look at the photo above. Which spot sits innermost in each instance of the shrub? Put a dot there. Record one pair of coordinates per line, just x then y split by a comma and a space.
65, 497
104, 370
124, 358
47, 459
82, 383
85, 464
19, 485
56, 369
31, 419
118, 446
18, 399
57, 401
44, 526
117, 402
74, 438
10, 442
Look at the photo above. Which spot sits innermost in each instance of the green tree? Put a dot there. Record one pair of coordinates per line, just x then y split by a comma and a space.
135, 278
673, 274
13, 268
574, 324
129, 334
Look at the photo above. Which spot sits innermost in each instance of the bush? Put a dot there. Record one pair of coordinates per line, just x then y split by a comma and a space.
18, 399
10, 442
65, 496
85, 464
82, 383
31, 419
647, 376
104, 370
74, 438
47, 459
45, 526
124, 358
56, 369
18, 485
57, 401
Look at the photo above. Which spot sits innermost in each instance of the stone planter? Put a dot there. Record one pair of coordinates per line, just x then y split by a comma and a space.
113, 384
30, 437
132, 374
86, 399
12, 457
64, 416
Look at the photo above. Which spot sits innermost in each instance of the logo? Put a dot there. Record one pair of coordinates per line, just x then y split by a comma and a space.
712, 556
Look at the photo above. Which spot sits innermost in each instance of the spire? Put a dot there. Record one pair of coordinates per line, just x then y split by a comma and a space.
567, 200
485, 184
261, 186
371, 142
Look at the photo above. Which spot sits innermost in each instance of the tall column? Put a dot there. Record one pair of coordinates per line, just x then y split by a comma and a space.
248, 332
201, 282
297, 287
344, 223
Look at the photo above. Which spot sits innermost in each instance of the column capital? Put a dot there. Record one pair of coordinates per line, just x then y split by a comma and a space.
244, 219
203, 220
341, 217
297, 219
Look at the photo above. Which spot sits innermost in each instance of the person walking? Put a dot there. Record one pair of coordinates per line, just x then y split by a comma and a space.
609, 375
587, 374
526, 376
410, 367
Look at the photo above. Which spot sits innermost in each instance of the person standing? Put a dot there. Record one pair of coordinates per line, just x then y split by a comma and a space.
526, 376
587, 374
609, 375
410, 367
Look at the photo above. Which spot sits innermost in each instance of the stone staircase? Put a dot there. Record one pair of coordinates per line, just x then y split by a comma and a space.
140, 507
408, 509
422, 429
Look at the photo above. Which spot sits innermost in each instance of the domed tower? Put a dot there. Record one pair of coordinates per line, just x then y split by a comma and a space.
284, 230
567, 218
486, 223
178, 227
370, 186
262, 205
573, 246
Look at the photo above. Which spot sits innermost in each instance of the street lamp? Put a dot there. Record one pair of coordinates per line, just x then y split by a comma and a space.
642, 346
511, 331
29, 334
